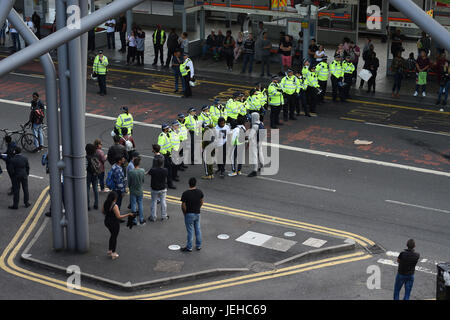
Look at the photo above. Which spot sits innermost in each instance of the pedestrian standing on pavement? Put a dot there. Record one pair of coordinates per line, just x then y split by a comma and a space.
398, 68
249, 52
286, 53
444, 83
116, 151
172, 45
136, 187
422, 66
122, 29
112, 221
187, 72
159, 38
158, 187
102, 158
191, 202
118, 179
424, 43
264, 53
140, 46
3, 33
177, 60
372, 65
92, 172
239, 46
100, 69
131, 43
407, 261
128, 142
157, 155
20, 170
37, 115
14, 38
111, 33
366, 55
228, 49
7, 156
184, 43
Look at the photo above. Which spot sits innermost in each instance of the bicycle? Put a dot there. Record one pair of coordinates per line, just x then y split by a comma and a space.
21, 136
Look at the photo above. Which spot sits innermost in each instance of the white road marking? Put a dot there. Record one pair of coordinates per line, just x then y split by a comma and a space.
297, 184
395, 264
408, 129
358, 159
417, 206
313, 242
37, 177
266, 241
392, 253
145, 91
286, 147
28, 75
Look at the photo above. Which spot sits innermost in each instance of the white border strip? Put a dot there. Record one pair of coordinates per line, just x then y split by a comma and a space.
417, 206
297, 184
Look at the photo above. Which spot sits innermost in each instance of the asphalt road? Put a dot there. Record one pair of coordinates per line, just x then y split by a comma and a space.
386, 204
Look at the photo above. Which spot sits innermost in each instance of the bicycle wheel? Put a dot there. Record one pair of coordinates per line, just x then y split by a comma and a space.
27, 142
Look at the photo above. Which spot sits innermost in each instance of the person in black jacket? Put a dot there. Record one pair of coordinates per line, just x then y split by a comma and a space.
117, 151
7, 156
372, 64
20, 169
172, 45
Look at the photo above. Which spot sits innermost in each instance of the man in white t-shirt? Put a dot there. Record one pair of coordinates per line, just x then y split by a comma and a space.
320, 54
222, 131
110, 33
15, 38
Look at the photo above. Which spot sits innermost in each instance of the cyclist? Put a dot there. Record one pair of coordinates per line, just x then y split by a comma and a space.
37, 115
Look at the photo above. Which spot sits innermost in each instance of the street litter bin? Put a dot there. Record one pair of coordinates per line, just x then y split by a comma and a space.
443, 281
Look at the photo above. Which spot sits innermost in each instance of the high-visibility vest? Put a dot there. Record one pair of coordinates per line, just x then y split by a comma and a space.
191, 123
100, 67
262, 96
216, 113
305, 71
183, 131
175, 140
165, 143
232, 109
204, 118
302, 83
124, 120
311, 80
322, 71
183, 69
162, 37
290, 84
253, 103
275, 96
336, 69
241, 108
348, 67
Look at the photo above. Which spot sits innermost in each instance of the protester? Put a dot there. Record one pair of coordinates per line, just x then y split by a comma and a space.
249, 53
159, 177
184, 43
117, 181
424, 43
172, 45
121, 27
191, 202
228, 50
112, 221
444, 83
265, 47
102, 158
372, 64
366, 54
422, 66
407, 261
131, 43
140, 46
286, 53
92, 172
111, 33
177, 60
398, 68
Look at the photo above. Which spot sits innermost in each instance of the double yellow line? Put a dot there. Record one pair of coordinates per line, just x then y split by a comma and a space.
10, 253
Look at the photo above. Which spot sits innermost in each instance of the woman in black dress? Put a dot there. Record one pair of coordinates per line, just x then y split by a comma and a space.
112, 217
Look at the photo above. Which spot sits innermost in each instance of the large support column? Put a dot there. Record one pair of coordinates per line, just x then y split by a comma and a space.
183, 20
129, 21
424, 21
306, 31
5, 8
66, 132
53, 130
202, 24
84, 10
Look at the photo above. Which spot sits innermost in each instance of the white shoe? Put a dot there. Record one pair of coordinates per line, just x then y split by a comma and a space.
416, 94
424, 94
232, 174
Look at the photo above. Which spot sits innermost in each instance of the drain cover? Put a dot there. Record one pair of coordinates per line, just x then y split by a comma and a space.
376, 249
223, 237
289, 234
174, 247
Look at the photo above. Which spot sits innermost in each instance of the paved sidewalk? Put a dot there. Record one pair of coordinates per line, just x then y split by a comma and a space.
146, 260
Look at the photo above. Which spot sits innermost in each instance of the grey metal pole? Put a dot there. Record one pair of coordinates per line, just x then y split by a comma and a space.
53, 129
78, 142
56, 39
202, 24
183, 20
129, 16
424, 21
306, 31
66, 133
5, 8
84, 10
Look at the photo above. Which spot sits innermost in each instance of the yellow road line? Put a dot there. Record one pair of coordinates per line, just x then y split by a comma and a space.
351, 119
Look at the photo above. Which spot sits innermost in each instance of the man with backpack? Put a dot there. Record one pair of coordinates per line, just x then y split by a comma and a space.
37, 115
92, 172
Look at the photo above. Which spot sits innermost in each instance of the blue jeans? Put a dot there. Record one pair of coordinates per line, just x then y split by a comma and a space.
397, 82
101, 180
161, 196
177, 74
443, 90
206, 49
92, 180
37, 132
192, 222
15, 39
248, 58
401, 280
139, 201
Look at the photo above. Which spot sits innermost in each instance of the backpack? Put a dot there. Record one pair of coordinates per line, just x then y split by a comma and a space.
94, 164
110, 180
39, 115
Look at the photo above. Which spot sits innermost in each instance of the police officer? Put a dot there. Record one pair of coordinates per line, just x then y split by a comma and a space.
100, 68
276, 100
291, 87
166, 149
124, 120
301, 97
204, 119
253, 103
337, 77
348, 68
311, 91
232, 107
192, 126
216, 111
305, 68
322, 70
183, 133
187, 73
174, 135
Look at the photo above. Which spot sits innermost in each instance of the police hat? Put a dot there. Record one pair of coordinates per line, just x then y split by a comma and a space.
100, 51
205, 107
175, 123
180, 115
289, 70
236, 94
216, 101
165, 126
191, 110
124, 108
